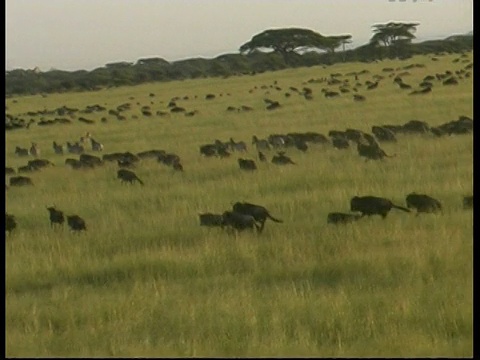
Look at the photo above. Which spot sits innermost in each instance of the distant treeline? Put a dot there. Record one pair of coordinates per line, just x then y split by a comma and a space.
29, 82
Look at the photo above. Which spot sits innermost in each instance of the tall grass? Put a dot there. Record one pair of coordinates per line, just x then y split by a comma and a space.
147, 280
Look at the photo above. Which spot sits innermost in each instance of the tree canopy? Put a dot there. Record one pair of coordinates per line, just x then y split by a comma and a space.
330, 43
392, 32
284, 40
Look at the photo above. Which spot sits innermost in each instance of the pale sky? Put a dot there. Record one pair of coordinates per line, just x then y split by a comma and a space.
87, 34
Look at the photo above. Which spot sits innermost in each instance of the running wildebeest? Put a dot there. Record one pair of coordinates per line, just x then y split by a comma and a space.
237, 146
58, 149
177, 166
128, 176
76, 223
373, 205
239, 221
261, 156
371, 152
247, 164
21, 151
338, 217
20, 181
468, 202
261, 144
10, 223
259, 213
209, 219
40, 163
282, 159
56, 216
423, 203
9, 171
96, 146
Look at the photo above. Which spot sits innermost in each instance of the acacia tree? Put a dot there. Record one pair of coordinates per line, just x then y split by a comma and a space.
388, 34
331, 43
284, 41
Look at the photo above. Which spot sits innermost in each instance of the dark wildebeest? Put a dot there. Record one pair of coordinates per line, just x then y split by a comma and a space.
338, 217
40, 163
56, 216
10, 223
372, 205
90, 160
128, 176
468, 202
96, 146
282, 159
247, 164
76, 223
259, 213
239, 221
371, 152
20, 181
177, 166
261, 144
261, 156
237, 146
423, 203
9, 171
58, 149
21, 151
209, 219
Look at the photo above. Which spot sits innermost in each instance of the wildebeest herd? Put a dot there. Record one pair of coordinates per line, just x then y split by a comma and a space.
246, 215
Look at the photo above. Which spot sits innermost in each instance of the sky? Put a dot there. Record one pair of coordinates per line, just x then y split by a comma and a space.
87, 34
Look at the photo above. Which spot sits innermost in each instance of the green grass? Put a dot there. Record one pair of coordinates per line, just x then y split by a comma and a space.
146, 280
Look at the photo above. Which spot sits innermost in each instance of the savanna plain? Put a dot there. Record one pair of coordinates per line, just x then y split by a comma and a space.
145, 279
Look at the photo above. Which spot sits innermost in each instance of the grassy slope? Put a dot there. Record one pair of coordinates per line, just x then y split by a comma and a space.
146, 280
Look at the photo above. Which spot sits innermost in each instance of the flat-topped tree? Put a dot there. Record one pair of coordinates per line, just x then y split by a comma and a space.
284, 41
388, 34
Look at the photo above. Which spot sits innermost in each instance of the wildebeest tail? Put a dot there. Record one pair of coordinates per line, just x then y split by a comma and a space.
400, 208
140, 181
274, 219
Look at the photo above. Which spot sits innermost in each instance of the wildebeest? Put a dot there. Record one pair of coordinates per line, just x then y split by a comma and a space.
237, 146
20, 181
76, 223
371, 152
373, 205
56, 216
177, 166
247, 164
468, 202
9, 171
282, 159
21, 151
58, 149
40, 163
90, 160
261, 156
261, 144
75, 148
259, 213
239, 221
423, 203
338, 217
209, 219
96, 146
128, 176
10, 223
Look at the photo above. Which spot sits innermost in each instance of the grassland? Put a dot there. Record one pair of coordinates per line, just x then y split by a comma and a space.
146, 280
